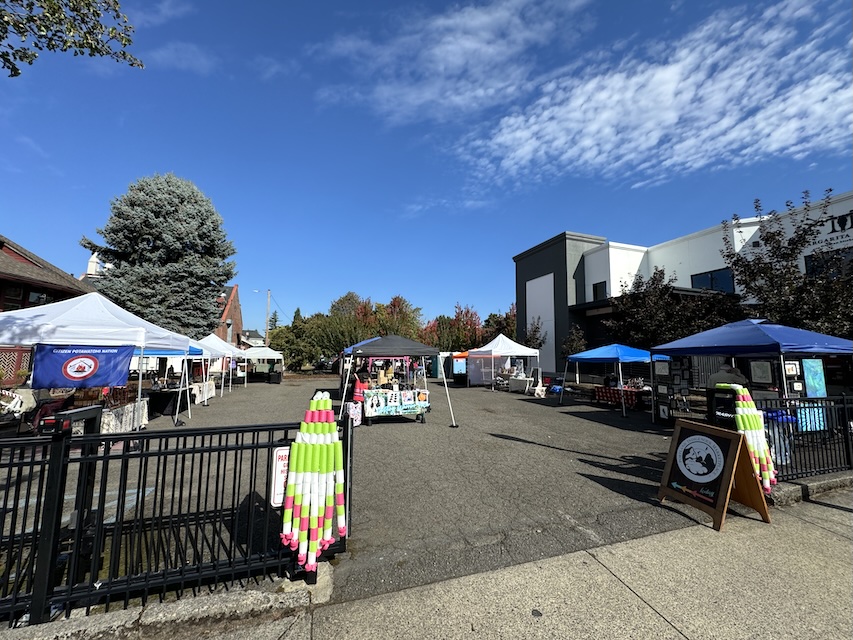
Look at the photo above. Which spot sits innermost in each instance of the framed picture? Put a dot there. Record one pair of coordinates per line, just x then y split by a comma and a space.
663, 389
792, 368
661, 368
761, 372
676, 380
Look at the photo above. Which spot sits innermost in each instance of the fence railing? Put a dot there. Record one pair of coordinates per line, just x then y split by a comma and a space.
807, 436
107, 519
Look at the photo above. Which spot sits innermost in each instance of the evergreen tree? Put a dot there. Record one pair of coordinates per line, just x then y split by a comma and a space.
273, 321
168, 255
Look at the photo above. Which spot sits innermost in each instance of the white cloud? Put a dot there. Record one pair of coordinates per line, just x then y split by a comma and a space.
736, 90
32, 146
458, 62
184, 57
268, 68
155, 14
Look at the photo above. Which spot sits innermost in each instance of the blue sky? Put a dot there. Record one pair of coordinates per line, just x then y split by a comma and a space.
414, 148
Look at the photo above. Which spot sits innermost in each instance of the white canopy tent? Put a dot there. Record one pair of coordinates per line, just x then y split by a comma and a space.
91, 320
264, 353
481, 362
230, 352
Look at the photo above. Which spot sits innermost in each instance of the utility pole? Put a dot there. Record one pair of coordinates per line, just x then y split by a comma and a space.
267, 325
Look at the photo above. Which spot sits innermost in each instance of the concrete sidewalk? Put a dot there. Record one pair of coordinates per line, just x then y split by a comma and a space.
788, 579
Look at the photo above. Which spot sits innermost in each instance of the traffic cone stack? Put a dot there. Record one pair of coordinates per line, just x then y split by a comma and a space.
315, 485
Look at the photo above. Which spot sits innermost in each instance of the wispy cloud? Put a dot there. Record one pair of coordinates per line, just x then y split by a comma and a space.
461, 61
32, 146
155, 14
269, 68
182, 56
741, 87
426, 206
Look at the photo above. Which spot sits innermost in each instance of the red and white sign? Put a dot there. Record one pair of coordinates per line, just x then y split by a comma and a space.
281, 456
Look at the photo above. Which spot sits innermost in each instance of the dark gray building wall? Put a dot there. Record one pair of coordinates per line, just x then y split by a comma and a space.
561, 255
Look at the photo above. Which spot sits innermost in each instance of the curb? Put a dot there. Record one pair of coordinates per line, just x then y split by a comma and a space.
792, 491
207, 614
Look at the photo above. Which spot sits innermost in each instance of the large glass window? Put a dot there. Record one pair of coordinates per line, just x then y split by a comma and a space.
718, 280
831, 262
599, 291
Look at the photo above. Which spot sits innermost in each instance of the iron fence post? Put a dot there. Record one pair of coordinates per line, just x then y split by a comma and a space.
846, 429
51, 518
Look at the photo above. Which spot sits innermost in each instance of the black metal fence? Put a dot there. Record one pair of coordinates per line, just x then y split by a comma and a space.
109, 519
807, 436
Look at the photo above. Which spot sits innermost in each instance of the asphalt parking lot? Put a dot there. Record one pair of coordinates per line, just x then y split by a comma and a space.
520, 479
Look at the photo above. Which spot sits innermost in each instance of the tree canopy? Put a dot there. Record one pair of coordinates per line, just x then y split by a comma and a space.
96, 28
790, 277
652, 312
168, 255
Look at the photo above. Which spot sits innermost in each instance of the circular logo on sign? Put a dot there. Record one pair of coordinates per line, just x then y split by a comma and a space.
699, 458
80, 367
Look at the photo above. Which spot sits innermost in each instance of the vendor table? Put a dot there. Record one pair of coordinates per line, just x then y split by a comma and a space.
521, 385
634, 398
162, 402
124, 419
386, 402
202, 391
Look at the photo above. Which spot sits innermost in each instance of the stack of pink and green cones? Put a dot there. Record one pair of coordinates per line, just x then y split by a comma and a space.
315, 485
750, 422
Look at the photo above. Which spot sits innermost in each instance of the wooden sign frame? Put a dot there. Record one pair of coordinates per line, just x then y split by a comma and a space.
706, 467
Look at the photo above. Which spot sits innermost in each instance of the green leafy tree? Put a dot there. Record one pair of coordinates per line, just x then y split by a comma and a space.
652, 312
349, 321
169, 255
535, 336
775, 278
296, 342
95, 28
399, 318
498, 323
439, 333
574, 342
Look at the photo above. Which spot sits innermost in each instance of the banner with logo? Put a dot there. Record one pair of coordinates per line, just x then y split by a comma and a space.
80, 367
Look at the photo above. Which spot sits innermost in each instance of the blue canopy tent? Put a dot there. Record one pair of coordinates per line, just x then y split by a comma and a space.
756, 338
616, 353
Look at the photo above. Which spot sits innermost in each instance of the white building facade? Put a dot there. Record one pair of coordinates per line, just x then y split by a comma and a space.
571, 276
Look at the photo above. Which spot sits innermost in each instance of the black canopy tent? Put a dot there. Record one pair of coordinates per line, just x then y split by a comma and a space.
397, 346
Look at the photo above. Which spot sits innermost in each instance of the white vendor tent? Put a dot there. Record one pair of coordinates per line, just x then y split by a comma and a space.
230, 353
263, 353
481, 362
90, 319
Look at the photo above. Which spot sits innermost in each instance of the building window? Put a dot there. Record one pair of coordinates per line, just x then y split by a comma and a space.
718, 280
599, 291
831, 263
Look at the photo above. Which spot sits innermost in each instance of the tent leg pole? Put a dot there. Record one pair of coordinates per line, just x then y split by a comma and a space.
563, 386
447, 393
